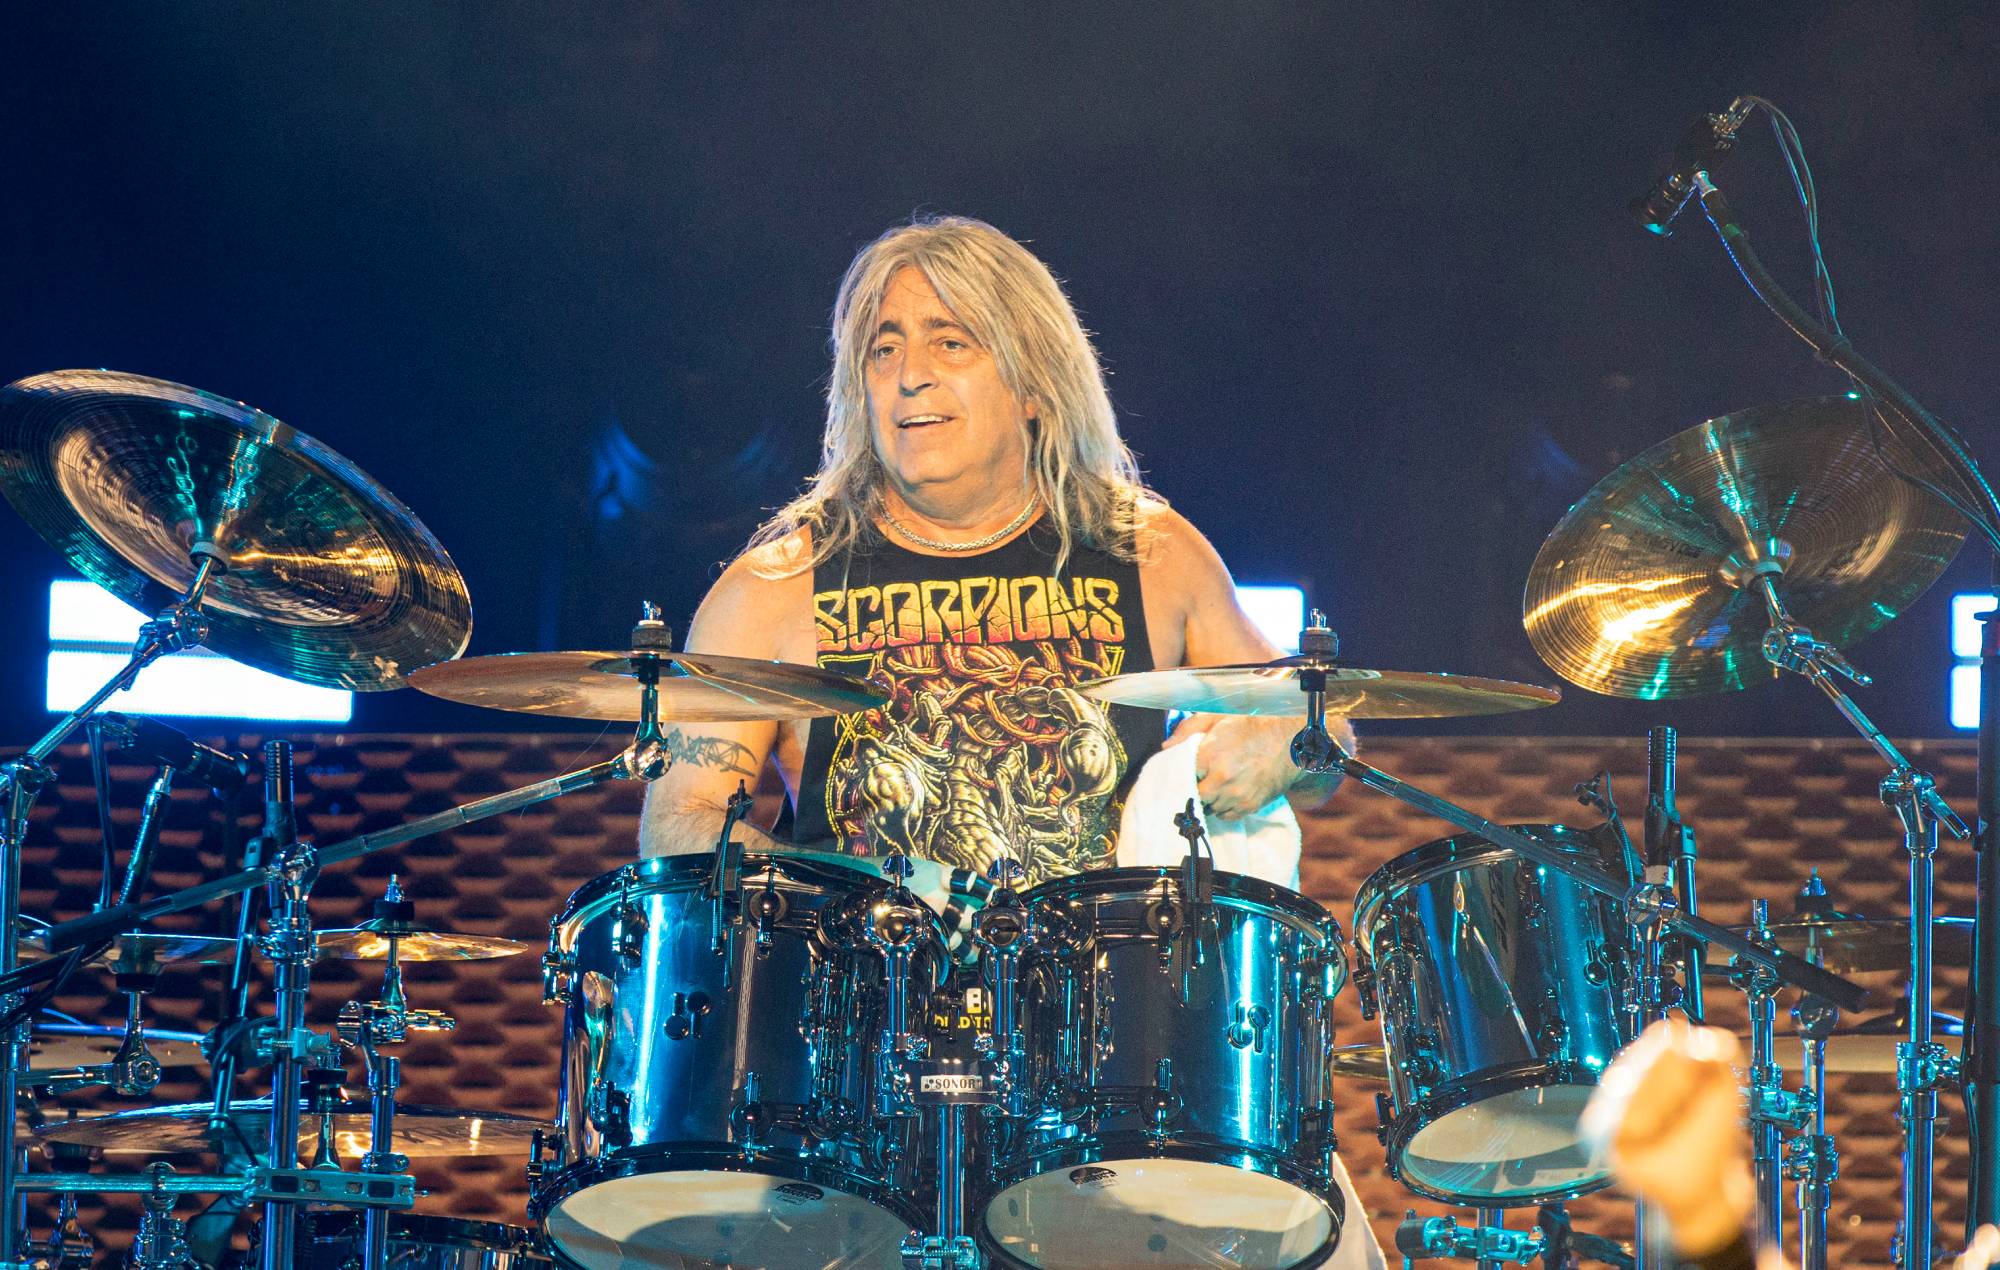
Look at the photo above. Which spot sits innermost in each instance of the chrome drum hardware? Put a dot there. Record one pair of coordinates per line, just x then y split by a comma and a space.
1501, 991
1176, 1062
718, 1100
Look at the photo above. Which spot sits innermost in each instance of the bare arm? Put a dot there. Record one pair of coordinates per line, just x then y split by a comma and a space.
1244, 762
744, 615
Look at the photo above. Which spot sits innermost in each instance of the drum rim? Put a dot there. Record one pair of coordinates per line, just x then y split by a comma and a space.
1438, 857
1464, 1092
1194, 1148
1240, 886
573, 1179
660, 873
463, 1232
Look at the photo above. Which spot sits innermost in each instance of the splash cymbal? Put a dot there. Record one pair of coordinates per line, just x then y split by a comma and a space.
56, 1047
694, 687
370, 942
1849, 945
1643, 588
1272, 688
420, 1131
330, 579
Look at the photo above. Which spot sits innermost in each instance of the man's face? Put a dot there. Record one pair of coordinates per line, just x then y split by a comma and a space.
940, 413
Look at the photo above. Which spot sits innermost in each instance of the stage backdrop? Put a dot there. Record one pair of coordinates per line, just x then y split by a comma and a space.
1767, 814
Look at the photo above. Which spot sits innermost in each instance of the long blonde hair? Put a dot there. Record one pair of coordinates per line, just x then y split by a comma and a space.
1086, 478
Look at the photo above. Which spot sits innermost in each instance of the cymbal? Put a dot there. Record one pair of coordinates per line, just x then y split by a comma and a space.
331, 580
694, 687
61, 1047
370, 942
1849, 945
1635, 592
146, 950
1362, 1062
1864, 1045
1272, 688
420, 1131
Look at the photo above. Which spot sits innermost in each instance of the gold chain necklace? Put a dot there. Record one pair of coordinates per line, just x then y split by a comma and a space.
905, 531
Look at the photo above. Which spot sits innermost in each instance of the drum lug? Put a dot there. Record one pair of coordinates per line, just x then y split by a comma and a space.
628, 935
546, 1154
749, 1118
1163, 1105
1385, 1115
610, 1110
1316, 1132
1364, 980
558, 967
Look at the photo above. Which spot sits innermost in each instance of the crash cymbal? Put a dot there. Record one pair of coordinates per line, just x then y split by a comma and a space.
694, 687
59, 1047
1644, 588
1272, 688
370, 942
330, 581
1849, 945
420, 1131
1362, 1062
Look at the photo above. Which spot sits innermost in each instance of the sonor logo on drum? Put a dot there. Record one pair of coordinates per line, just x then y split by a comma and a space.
952, 1084
798, 1193
1094, 1177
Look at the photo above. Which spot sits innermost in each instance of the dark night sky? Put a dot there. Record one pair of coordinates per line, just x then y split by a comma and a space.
1362, 273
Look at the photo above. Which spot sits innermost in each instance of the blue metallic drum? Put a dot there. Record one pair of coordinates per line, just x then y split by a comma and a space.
1177, 1061
1501, 990
717, 1102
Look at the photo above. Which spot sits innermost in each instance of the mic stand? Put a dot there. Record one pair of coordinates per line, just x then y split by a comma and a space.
290, 944
180, 625
1979, 1069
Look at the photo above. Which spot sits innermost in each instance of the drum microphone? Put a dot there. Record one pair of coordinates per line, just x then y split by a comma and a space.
1706, 141
1662, 817
222, 772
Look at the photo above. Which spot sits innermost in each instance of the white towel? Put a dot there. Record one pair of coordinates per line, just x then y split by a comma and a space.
1264, 844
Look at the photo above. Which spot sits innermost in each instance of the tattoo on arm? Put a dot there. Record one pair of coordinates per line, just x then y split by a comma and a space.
718, 753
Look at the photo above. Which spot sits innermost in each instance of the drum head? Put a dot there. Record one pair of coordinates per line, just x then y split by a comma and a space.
1521, 1146
1159, 1213
707, 1218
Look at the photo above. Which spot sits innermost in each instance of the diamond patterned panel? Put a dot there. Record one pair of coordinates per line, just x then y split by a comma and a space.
1766, 813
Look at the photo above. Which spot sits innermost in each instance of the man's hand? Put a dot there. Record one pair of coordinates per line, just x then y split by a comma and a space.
1668, 1118
1244, 761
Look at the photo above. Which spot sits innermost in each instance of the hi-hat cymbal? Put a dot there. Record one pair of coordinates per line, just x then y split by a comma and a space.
1644, 588
369, 942
1272, 688
56, 1047
1849, 945
1362, 1062
1867, 1045
331, 580
694, 687
420, 1131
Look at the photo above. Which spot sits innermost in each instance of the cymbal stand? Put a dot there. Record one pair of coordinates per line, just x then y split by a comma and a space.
179, 625
290, 945
1770, 1103
1921, 1064
1811, 1159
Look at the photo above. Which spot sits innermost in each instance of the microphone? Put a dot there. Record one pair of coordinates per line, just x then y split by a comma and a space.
1662, 816
1706, 141
221, 772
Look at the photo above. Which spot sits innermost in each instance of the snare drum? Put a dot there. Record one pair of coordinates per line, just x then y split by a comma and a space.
717, 1089
1500, 990
1177, 1054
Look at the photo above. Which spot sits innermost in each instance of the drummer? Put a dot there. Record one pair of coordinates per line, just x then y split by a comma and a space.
977, 542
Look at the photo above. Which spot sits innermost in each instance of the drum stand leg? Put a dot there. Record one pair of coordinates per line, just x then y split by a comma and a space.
1496, 1219
1919, 1062
1769, 1106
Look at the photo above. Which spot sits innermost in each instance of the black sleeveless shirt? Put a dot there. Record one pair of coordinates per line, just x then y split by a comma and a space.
984, 748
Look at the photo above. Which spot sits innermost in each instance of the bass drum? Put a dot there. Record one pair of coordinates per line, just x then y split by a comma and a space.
719, 1069
1500, 987
329, 1240
1178, 1055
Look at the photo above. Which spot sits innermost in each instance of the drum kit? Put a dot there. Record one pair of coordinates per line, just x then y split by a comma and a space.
750, 1072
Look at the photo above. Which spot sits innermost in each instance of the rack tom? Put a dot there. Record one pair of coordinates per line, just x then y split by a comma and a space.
1501, 991
1177, 1054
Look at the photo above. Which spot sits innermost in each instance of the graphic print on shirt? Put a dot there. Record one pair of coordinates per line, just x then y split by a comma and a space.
984, 748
